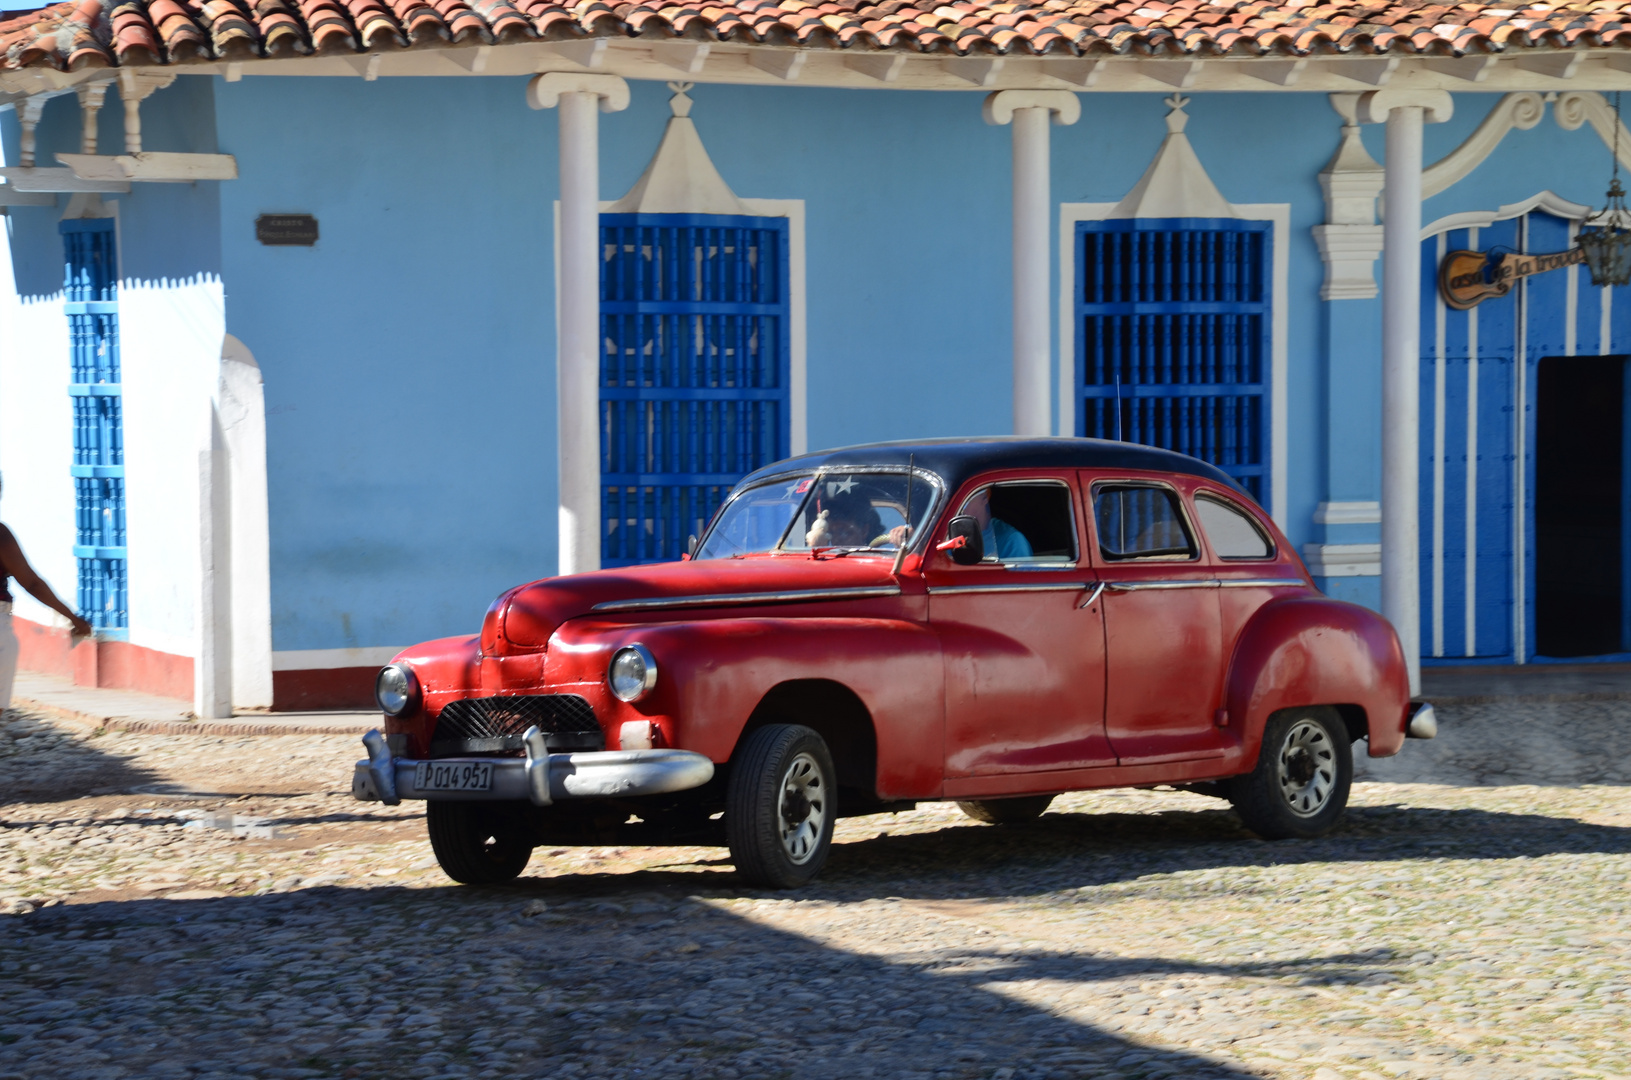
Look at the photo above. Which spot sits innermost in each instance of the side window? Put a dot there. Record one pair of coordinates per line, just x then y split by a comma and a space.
1140, 522
1233, 534
1024, 522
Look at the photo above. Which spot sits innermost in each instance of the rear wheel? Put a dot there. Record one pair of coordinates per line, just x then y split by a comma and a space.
780, 807
477, 843
1007, 811
1299, 788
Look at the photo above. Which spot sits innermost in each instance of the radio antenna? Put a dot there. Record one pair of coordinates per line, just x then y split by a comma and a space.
906, 541
1118, 401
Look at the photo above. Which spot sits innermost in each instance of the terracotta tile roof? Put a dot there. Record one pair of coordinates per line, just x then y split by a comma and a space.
81, 33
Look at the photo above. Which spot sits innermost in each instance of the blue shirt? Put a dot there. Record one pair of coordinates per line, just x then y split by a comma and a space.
1004, 541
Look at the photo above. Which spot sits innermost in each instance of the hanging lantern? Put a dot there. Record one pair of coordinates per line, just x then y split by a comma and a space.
1607, 242
1604, 237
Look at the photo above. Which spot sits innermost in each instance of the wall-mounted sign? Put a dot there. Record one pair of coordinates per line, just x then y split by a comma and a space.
1468, 278
286, 229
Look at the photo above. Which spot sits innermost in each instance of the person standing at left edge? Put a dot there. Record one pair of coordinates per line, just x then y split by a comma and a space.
14, 565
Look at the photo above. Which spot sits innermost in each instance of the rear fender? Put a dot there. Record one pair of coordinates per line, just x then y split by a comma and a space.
713, 673
1318, 651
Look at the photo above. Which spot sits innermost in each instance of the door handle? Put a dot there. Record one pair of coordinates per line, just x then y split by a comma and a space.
1098, 590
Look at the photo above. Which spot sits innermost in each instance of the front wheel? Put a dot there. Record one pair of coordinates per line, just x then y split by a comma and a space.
780, 807
477, 843
1300, 785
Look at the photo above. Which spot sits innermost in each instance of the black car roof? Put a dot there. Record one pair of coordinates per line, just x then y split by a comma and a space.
955, 460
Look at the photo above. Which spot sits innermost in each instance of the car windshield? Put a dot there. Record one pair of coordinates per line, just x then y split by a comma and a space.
851, 511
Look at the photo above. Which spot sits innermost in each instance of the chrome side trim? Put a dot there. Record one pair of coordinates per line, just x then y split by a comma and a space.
1140, 586
725, 599
543, 780
1004, 587
1204, 583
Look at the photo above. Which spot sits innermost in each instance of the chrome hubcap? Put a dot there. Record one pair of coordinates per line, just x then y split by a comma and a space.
802, 811
1307, 768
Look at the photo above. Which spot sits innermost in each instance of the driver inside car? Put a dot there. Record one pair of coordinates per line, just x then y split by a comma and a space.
848, 519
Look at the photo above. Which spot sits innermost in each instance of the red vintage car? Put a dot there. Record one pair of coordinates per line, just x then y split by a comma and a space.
989, 621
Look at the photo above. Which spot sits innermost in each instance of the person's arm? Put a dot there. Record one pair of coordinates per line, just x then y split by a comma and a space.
11, 554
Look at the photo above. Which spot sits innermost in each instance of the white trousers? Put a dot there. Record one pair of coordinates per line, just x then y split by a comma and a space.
8, 655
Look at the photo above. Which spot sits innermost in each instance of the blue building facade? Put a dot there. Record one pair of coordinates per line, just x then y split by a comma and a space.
407, 356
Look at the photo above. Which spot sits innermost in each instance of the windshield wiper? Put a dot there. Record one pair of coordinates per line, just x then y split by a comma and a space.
839, 551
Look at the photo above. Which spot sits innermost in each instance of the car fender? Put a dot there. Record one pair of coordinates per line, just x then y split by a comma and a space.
444, 668
1317, 651
713, 673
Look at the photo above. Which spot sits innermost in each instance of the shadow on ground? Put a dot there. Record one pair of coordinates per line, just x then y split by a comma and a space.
376, 983
1064, 851
636, 974
44, 763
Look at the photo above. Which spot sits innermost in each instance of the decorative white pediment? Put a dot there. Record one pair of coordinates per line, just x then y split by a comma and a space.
1175, 185
681, 178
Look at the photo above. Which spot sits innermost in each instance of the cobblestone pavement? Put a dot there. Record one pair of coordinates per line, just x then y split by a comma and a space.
187, 906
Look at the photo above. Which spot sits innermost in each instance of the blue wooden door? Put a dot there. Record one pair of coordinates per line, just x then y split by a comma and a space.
1478, 385
1173, 336
91, 301
694, 375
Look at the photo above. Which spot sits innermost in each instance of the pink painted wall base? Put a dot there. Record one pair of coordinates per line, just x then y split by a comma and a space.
117, 665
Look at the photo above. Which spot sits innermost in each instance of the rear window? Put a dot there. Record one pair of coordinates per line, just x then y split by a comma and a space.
1137, 521
1233, 533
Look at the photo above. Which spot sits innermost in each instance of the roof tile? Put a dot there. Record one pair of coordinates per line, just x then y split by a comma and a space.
103, 33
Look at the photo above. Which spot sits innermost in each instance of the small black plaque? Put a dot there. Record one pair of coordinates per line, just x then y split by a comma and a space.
286, 229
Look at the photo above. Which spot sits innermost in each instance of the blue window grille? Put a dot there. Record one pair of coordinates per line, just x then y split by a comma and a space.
694, 375
1173, 338
92, 303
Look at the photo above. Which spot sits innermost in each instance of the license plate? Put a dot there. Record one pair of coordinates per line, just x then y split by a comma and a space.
453, 776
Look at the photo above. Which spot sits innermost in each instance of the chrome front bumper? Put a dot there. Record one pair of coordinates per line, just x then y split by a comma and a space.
540, 777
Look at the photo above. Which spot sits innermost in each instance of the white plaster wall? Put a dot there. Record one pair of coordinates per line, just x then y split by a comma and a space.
36, 439
170, 335
37, 443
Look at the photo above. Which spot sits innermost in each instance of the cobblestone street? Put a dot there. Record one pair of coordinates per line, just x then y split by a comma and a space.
193, 906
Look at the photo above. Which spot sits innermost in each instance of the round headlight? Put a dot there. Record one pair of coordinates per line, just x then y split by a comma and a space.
632, 673
396, 689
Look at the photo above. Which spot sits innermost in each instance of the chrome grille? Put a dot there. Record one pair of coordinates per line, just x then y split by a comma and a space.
495, 724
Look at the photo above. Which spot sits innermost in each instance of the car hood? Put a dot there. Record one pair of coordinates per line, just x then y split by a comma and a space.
525, 617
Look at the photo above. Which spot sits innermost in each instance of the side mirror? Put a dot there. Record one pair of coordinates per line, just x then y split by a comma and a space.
691, 547
963, 541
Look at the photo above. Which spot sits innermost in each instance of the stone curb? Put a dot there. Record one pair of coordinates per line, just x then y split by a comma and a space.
1526, 699
135, 726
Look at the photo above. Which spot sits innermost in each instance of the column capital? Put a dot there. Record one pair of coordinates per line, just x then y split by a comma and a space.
1376, 106
544, 91
1064, 105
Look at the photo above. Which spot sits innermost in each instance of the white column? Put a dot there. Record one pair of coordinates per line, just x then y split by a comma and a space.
1030, 112
1404, 113
212, 665
241, 409
581, 99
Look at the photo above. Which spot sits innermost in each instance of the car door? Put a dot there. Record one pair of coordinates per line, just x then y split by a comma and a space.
1163, 640
1024, 658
